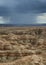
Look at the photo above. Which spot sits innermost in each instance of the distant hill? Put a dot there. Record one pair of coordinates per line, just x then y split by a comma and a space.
21, 25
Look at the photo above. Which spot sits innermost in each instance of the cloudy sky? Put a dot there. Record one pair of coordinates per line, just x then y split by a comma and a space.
22, 11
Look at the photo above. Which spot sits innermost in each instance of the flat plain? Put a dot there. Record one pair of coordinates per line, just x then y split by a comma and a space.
23, 45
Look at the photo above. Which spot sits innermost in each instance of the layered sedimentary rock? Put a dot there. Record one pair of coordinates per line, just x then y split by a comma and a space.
19, 43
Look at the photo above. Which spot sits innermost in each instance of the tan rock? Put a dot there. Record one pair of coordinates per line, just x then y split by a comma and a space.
8, 47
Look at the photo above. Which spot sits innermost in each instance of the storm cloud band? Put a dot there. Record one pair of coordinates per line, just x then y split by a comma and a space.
22, 11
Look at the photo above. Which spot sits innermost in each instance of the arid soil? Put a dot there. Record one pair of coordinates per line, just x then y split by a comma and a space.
22, 45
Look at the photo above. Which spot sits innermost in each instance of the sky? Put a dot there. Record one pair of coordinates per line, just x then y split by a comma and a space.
22, 11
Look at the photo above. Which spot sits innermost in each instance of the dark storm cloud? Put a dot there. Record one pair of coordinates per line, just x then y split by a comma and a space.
6, 7
22, 11
30, 9
36, 6
4, 11
23, 6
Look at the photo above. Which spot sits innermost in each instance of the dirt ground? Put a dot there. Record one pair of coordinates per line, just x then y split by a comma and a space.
22, 45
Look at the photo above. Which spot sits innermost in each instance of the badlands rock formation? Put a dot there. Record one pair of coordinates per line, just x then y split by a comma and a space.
23, 46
